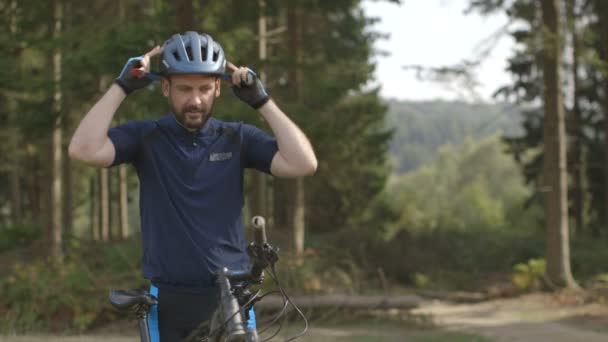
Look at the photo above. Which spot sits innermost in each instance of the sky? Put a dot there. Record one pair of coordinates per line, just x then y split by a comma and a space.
435, 33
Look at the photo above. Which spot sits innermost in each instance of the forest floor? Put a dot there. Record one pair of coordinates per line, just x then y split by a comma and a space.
552, 317
534, 317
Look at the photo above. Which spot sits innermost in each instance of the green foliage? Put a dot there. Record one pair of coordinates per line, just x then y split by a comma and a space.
18, 235
72, 296
320, 272
470, 259
529, 276
474, 186
455, 259
421, 280
420, 128
585, 27
603, 277
588, 257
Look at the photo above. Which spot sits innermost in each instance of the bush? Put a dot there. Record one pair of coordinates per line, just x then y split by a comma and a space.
18, 235
443, 255
317, 272
529, 276
71, 296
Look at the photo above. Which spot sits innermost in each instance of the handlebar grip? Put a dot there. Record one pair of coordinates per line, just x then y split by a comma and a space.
249, 78
259, 230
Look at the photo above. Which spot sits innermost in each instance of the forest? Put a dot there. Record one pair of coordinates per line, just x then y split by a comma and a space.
431, 195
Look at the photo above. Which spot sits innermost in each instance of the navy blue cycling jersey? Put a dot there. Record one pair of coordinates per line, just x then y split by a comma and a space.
191, 194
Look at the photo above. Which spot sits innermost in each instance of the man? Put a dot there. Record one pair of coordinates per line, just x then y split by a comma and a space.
190, 167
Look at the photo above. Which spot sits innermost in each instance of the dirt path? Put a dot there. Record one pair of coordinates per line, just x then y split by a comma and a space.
537, 317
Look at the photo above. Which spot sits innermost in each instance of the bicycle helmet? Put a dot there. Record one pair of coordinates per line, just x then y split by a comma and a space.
192, 53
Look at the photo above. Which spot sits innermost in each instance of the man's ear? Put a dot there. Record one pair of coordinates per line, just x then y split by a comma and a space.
165, 84
218, 86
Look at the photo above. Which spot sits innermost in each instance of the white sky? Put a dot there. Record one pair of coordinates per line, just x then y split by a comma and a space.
434, 33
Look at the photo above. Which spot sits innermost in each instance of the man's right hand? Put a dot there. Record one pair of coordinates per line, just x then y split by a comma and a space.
134, 74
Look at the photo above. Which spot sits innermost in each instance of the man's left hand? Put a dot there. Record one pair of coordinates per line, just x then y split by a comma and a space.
248, 87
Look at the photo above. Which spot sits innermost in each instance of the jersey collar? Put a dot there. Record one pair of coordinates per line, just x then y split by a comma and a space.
179, 130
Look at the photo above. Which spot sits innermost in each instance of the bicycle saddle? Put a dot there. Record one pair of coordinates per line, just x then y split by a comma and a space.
126, 299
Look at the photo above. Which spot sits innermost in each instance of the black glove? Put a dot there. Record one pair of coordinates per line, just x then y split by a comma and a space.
252, 92
128, 81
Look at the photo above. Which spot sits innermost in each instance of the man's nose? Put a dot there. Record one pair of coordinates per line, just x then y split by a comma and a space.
196, 99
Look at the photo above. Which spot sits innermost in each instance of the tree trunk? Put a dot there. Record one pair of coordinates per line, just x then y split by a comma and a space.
39, 191
95, 207
16, 209
258, 194
124, 205
113, 204
16, 170
554, 168
577, 153
68, 229
14, 137
281, 203
602, 12
68, 186
104, 205
44, 183
57, 174
299, 228
298, 213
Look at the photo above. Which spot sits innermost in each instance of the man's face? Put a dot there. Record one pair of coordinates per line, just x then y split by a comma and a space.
191, 98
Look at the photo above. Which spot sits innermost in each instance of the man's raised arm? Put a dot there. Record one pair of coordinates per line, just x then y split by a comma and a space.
90, 142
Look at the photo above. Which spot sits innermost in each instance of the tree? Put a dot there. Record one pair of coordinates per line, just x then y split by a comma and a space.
297, 212
574, 120
554, 163
601, 9
259, 201
586, 124
57, 160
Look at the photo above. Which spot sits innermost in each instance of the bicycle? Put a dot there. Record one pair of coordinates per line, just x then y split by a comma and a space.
234, 318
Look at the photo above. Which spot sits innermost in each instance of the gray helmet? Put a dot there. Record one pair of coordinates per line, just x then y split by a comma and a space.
192, 53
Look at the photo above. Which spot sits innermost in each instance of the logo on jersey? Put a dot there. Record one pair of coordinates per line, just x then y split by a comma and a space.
220, 156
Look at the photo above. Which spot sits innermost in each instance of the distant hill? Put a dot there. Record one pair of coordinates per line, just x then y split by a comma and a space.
422, 127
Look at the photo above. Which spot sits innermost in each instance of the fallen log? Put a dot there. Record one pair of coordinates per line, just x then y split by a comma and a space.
275, 302
454, 296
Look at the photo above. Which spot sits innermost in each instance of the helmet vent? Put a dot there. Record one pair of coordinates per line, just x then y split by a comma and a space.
189, 53
176, 55
204, 53
216, 55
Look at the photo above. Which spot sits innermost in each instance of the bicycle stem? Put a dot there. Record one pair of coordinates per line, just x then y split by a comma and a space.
230, 308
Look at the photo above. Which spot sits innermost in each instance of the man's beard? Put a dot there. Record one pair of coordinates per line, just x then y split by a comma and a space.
193, 117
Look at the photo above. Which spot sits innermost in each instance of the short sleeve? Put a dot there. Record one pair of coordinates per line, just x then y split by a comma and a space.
127, 141
258, 148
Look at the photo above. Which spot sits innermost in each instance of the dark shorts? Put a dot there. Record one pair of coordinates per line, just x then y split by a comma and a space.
180, 311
